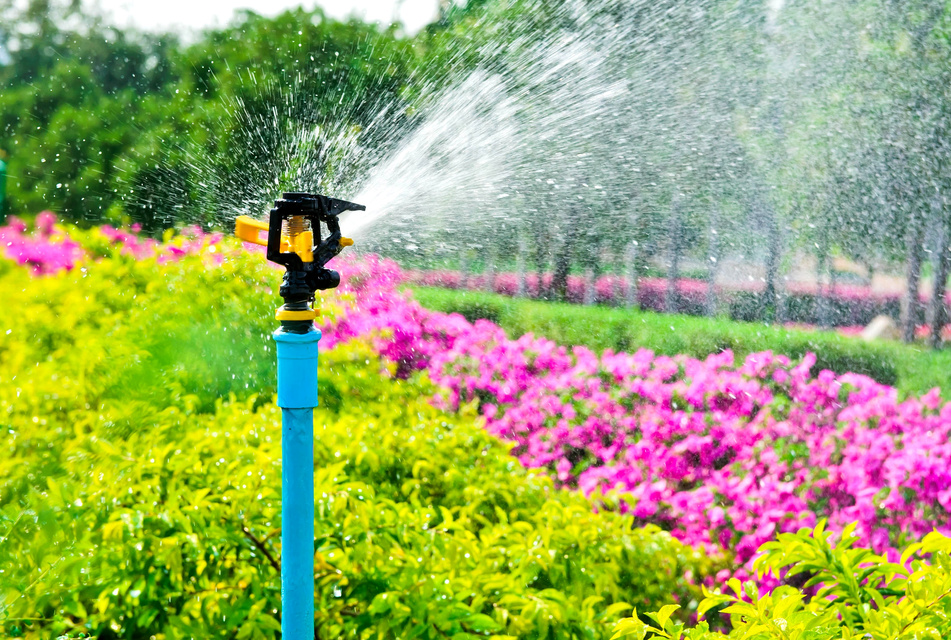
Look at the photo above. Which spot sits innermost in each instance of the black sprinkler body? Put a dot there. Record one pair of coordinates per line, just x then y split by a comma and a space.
294, 241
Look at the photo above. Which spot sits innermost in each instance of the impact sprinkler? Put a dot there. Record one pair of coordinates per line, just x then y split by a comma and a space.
294, 242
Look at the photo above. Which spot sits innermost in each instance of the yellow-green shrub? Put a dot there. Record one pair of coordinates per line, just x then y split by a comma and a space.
140, 482
855, 595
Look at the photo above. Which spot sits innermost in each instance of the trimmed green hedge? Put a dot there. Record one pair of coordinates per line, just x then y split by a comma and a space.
912, 369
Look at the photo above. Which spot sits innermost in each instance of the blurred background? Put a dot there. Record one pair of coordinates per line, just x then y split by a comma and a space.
794, 153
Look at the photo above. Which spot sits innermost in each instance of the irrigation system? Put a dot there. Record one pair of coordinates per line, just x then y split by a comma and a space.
294, 241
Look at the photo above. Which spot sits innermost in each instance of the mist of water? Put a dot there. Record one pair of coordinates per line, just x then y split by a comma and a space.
455, 164
711, 128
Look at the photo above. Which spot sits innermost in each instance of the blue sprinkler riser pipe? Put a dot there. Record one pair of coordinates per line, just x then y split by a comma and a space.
297, 397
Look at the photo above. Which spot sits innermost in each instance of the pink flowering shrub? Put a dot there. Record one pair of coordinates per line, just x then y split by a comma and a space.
49, 249
724, 454
402, 330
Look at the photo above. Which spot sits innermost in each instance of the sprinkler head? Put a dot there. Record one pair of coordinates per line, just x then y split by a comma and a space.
294, 241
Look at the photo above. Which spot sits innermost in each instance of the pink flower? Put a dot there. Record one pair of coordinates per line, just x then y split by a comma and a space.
49, 249
44, 223
16, 225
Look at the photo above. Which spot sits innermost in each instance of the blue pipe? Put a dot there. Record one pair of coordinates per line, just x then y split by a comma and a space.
297, 397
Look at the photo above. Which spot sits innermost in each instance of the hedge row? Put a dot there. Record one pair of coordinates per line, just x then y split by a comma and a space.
911, 369
846, 305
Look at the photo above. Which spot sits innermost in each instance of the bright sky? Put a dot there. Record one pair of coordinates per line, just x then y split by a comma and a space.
197, 14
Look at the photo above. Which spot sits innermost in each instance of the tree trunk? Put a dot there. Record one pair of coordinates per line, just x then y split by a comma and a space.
559, 280
520, 269
617, 270
713, 266
774, 252
630, 299
823, 278
672, 299
590, 294
489, 273
541, 267
831, 315
464, 270
910, 304
938, 310
597, 259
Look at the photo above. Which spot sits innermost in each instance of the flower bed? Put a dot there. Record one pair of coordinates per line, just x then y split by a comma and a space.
724, 454
140, 481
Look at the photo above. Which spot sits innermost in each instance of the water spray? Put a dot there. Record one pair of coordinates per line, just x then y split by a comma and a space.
294, 241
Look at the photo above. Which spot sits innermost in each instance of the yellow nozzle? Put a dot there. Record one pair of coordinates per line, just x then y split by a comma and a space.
249, 230
285, 314
346, 242
304, 245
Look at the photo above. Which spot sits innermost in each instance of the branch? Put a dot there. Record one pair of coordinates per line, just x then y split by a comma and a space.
259, 545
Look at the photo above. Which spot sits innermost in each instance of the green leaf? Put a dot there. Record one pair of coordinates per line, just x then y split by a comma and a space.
663, 615
630, 628
481, 623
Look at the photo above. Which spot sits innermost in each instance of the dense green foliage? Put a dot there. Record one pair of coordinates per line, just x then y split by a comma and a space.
856, 594
140, 481
103, 123
911, 369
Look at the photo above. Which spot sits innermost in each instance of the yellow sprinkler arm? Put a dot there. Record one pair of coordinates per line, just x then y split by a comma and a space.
249, 230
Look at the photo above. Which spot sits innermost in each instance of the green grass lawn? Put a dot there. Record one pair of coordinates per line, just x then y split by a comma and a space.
911, 368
